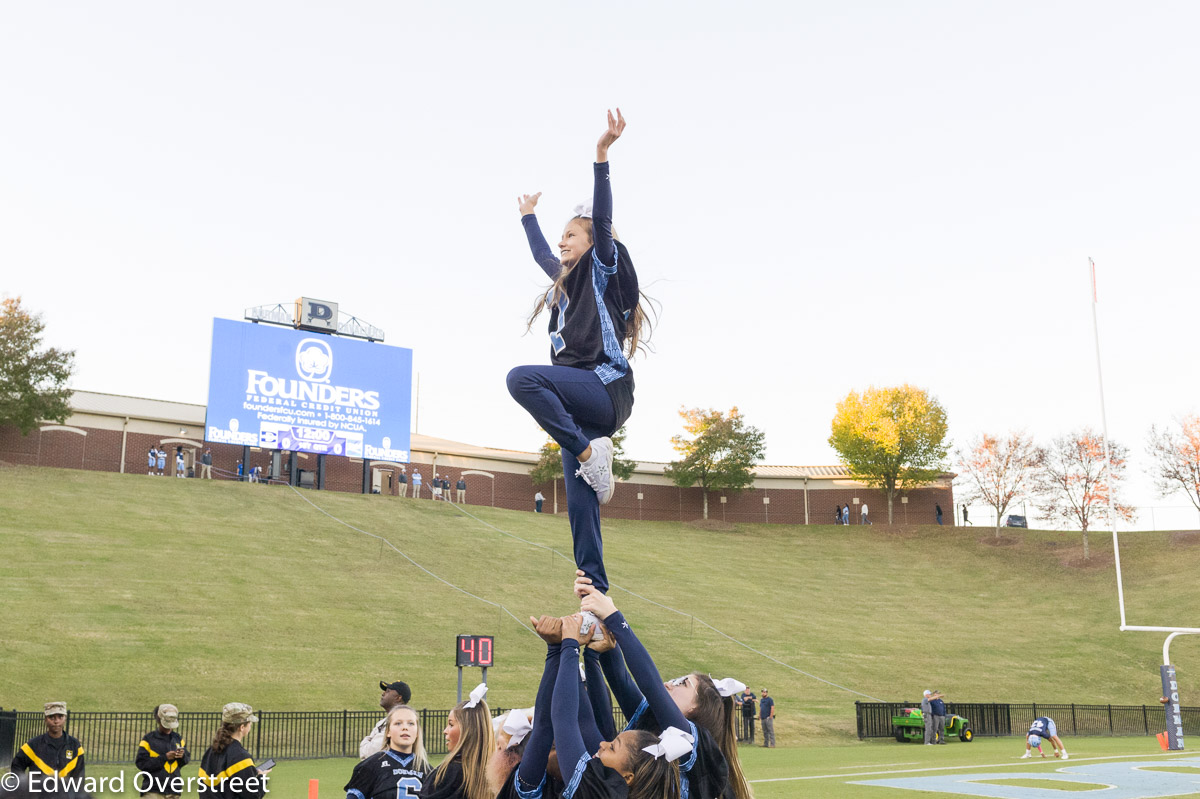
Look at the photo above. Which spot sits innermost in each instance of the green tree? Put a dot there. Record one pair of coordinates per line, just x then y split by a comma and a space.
718, 453
893, 439
33, 381
548, 468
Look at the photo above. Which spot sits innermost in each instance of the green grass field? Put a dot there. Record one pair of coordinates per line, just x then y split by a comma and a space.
123, 591
833, 771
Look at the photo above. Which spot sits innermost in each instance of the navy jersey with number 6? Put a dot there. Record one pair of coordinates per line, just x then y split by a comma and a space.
1040, 727
386, 775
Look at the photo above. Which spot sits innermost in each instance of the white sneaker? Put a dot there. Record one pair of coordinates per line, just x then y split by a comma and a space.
596, 471
1027, 754
1065, 756
591, 624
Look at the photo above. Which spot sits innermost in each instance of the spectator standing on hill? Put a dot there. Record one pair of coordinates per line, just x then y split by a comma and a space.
766, 713
160, 756
416, 484
206, 464
162, 462
402, 479
966, 521
747, 702
927, 716
446, 488
227, 770
846, 515
179, 463
435, 488
53, 753
152, 458
865, 520
394, 694
938, 705
461, 487
937, 509
538, 499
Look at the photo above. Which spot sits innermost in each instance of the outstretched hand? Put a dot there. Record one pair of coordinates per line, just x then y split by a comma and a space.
602, 645
549, 628
527, 202
592, 599
571, 625
616, 126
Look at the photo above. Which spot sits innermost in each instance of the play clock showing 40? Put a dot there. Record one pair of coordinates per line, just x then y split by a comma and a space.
474, 650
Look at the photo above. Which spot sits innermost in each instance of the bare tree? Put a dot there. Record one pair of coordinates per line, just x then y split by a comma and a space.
1075, 480
998, 470
1176, 458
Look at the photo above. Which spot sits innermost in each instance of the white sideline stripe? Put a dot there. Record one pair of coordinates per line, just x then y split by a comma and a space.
880, 765
1067, 764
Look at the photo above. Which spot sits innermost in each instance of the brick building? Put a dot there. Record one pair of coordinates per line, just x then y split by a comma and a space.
113, 433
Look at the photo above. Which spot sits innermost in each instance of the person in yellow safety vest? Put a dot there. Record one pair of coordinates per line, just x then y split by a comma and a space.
161, 755
52, 754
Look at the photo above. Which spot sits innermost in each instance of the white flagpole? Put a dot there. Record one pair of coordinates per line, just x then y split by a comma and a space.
1112, 518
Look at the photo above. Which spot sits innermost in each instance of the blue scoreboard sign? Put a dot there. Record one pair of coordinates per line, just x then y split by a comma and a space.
287, 389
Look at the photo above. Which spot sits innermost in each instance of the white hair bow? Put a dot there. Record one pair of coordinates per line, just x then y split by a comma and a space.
477, 695
517, 725
729, 686
584, 209
673, 744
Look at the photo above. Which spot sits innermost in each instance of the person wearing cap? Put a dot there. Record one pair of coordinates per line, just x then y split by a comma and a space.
927, 715
160, 756
53, 753
766, 714
227, 770
394, 693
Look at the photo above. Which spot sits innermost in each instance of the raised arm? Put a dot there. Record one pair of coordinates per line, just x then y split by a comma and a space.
598, 695
602, 237
533, 233
641, 665
532, 770
565, 708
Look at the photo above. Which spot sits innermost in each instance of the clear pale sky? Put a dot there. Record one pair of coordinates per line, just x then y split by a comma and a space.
822, 197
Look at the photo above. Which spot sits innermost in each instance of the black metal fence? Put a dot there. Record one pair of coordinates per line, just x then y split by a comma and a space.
1000, 719
112, 738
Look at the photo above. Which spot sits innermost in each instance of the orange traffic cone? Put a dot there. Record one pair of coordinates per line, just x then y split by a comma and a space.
1163, 741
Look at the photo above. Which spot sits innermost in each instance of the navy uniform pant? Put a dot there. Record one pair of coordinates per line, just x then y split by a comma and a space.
573, 407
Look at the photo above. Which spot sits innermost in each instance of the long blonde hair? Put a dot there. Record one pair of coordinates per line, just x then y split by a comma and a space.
475, 745
638, 320
420, 758
715, 713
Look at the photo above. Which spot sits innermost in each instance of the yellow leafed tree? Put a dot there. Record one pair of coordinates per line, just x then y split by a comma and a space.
893, 439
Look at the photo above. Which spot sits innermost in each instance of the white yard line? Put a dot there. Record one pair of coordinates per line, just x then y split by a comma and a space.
881, 765
1020, 762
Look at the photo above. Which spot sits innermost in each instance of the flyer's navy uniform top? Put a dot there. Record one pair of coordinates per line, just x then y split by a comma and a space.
152, 760
385, 775
589, 321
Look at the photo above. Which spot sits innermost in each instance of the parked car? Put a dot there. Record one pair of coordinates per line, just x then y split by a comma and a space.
1016, 521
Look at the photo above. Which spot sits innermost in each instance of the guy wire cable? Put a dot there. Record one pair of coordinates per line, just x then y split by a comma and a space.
460, 509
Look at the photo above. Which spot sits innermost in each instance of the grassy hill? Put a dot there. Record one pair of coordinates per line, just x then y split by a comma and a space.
122, 591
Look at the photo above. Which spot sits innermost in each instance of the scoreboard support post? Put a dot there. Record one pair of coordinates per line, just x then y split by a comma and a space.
473, 650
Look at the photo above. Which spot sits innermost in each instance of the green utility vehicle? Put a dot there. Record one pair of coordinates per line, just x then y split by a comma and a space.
910, 726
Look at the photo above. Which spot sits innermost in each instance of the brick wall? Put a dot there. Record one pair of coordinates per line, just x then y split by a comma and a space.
100, 450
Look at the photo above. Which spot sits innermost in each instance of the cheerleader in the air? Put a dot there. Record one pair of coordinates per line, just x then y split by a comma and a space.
596, 324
